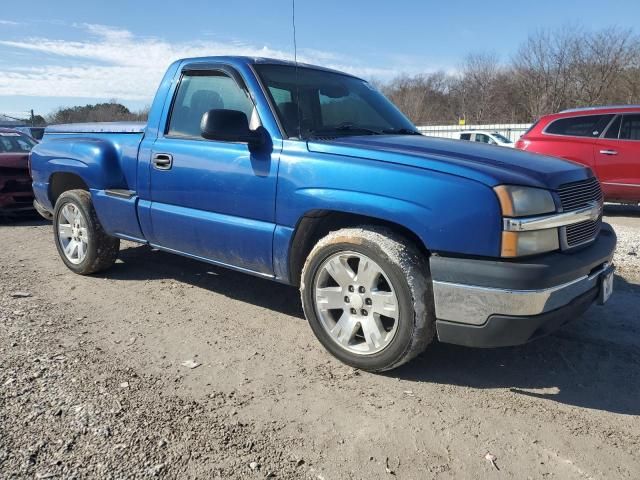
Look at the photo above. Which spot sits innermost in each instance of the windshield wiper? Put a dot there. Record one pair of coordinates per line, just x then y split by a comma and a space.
401, 131
348, 128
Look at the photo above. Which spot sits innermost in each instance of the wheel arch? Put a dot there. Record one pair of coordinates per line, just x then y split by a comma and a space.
316, 224
60, 182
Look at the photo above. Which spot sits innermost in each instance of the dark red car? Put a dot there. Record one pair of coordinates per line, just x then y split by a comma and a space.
16, 194
607, 139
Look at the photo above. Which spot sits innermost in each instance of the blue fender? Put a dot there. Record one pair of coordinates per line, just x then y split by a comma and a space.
420, 200
102, 164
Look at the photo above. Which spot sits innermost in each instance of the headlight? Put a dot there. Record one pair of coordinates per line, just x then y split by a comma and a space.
519, 201
519, 244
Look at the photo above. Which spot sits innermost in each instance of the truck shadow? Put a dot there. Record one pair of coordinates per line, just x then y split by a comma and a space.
593, 362
29, 219
143, 263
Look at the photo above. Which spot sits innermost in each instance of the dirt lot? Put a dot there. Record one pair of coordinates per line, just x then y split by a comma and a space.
92, 382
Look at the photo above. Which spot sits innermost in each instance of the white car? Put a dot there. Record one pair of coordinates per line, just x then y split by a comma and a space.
492, 138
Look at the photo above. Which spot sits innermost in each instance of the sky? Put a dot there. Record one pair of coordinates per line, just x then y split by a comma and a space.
75, 52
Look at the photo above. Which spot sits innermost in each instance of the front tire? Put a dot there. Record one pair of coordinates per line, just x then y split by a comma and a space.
81, 241
367, 295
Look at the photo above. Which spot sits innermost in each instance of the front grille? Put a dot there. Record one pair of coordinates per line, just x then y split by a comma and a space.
581, 232
574, 196
578, 194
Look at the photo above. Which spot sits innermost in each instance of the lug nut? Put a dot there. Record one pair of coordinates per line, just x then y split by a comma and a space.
364, 312
361, 290
346, 299
368, 301
351, 289
353, 311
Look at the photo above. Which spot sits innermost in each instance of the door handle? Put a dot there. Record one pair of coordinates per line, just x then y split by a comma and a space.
162, 161
608, 152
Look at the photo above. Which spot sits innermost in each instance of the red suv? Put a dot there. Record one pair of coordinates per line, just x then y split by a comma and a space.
607, 139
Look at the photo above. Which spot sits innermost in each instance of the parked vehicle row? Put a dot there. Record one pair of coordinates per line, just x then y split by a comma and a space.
311, 177
606, 139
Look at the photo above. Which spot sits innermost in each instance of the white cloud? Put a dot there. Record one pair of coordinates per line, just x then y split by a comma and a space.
9, 23
115, 63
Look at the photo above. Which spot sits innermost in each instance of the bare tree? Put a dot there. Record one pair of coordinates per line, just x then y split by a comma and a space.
542, 71
423, 98
476, 87
601, 59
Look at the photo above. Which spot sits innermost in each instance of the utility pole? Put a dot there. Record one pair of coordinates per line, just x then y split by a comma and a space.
32, 119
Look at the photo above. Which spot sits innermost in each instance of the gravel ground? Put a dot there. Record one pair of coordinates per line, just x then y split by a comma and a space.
169, 368
626, 221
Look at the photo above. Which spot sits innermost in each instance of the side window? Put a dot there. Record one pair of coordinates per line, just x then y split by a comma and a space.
5, 145
582, 126
465, 136
630, 129
614, 128
481, 137
15, 143
203, 91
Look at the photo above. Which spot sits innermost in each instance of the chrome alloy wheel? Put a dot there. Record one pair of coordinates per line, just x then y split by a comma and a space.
356, 303
72, 233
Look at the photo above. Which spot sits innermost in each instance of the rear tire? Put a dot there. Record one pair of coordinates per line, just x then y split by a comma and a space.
81, 241
367, 295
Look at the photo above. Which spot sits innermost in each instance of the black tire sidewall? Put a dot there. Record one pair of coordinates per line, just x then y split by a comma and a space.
402, 339
82, 201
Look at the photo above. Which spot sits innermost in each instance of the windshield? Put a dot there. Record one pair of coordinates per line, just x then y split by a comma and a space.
501, 138
14, 142
323, 103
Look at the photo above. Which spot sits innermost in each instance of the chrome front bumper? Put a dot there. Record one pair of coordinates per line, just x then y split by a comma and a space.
494, 303
470, 304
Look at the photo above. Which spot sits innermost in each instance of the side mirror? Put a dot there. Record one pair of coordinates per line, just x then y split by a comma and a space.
229, 126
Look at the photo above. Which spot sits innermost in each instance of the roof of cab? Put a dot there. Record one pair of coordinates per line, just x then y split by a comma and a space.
260, 60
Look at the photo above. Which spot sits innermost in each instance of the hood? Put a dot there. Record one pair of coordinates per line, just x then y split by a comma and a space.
489, 164
14, 160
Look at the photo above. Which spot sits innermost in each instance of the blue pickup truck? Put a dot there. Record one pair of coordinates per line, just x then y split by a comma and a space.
311, 177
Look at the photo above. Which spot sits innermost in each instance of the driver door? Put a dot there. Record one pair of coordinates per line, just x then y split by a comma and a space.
213, 200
